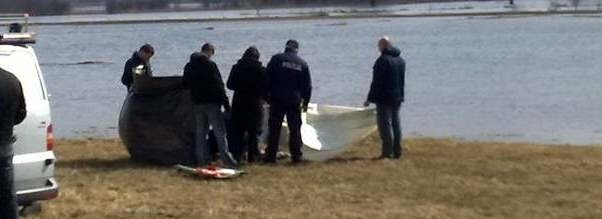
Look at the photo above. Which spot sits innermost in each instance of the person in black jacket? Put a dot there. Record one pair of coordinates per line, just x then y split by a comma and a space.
289, 92
138, 65
202, 77
12, 112
248, 80
387, 92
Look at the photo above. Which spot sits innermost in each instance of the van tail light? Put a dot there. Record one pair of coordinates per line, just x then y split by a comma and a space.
49, 138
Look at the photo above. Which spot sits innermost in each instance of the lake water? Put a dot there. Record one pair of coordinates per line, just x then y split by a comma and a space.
533, 79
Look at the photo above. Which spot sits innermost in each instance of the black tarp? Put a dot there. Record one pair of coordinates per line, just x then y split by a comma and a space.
156, 123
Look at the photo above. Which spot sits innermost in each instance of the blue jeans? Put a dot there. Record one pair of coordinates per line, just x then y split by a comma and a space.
389, 127
8, 197
206, 115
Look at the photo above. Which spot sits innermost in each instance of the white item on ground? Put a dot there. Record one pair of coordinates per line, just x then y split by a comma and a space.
328, 131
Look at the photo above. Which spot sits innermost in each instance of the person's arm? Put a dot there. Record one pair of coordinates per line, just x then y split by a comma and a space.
127, 78
149, 70
21, 108
186, 77
220, 86
142, 79
270, 71
233, 80
403, 80
306, 87
377, 82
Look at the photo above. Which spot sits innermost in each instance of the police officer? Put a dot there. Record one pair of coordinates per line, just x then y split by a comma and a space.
138, 65
289, 92
12, 112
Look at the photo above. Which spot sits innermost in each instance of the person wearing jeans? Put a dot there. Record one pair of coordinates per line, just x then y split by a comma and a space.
202, 77
387, 92
8, 198
12, 112
389, 128
205, 115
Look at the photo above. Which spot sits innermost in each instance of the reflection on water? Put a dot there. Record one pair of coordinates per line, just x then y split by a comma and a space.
520, 79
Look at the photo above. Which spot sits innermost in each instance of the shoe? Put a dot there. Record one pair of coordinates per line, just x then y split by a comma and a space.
397, 156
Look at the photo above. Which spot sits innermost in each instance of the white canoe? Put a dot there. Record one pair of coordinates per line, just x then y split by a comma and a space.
329, 131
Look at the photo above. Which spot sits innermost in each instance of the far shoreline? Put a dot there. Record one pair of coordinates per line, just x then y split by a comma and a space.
501, 14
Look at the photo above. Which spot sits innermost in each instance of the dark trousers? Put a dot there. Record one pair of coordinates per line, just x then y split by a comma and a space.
8, 197
389, 128
293, 118
246, 121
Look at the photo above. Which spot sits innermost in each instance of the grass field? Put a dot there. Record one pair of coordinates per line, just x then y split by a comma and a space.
438, 178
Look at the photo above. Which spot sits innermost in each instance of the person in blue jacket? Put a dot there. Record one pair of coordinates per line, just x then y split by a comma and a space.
289, 93
387, 92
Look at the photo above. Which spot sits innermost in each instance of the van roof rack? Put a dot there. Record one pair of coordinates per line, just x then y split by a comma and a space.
17, 18
16, 38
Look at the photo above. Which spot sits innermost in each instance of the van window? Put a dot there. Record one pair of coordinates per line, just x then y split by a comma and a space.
23, 65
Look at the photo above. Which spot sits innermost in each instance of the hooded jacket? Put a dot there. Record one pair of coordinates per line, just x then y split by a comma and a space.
130, 69
388, 80
289, 80
12, 110
248, 80
202, 77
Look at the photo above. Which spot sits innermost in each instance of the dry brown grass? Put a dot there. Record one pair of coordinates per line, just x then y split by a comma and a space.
437, 179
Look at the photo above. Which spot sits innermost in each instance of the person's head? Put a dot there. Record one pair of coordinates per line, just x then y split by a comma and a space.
146, 52
251, 53
292, 46
384, 43
208, 50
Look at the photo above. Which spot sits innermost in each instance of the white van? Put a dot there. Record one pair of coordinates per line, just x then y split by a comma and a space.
34, 160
